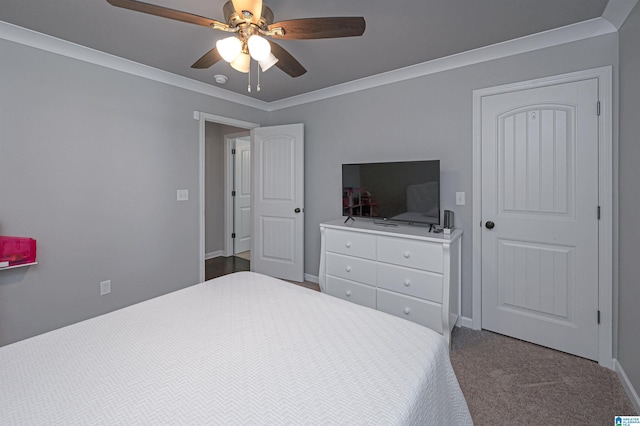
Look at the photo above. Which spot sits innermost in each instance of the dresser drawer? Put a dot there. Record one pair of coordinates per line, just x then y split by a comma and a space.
422, 312
422, 284
351, 268
414, 254
361, 294
351, 243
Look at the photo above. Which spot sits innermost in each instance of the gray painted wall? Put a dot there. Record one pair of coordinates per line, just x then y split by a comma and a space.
90, 161
424, 118
629, 203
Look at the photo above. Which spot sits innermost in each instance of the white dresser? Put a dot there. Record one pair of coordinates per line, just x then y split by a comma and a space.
403, 270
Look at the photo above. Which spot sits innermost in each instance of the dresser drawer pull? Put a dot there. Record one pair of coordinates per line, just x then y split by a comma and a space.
348, 244
348, 293
407, 311
348, 269
407, 283
407, 254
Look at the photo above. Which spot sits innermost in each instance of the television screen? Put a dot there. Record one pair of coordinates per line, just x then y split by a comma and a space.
404, 191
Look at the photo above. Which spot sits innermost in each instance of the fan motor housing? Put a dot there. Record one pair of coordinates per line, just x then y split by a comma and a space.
234, 20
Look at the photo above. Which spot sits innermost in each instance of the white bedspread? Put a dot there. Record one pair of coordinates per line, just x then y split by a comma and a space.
240, 349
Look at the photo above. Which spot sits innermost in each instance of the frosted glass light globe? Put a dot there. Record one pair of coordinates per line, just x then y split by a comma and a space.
259, 47
241, 63
229, 48
268, 62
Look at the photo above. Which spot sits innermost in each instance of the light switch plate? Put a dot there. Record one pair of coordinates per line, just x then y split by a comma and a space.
183, 194
460, 198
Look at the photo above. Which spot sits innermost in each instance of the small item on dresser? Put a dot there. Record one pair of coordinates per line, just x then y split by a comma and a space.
448, 222
448, 219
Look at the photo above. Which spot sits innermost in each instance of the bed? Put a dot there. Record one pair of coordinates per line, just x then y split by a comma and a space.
240, 349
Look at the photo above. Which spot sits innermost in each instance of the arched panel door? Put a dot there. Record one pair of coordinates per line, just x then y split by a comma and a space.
540, 216
278, 201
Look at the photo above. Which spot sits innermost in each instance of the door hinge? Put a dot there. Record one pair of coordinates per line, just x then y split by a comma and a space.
233, 193
598, 317
598, 108
233, 150
598, 212
233, 235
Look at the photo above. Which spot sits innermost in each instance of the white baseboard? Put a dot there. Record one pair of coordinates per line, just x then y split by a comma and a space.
464, 322
213, 254
311, 278
627, 385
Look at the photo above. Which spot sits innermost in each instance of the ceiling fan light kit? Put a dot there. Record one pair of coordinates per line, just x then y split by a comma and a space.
251, 22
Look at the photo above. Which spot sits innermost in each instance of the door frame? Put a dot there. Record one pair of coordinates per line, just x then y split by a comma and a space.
606, 189
203, 117
228, 187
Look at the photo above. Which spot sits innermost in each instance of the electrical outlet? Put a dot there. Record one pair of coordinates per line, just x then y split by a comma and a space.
105, 287
460, 198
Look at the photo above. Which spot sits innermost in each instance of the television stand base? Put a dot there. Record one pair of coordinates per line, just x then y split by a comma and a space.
384, 223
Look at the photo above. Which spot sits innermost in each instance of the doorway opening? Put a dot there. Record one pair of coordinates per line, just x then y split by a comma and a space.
277, 198
215, 222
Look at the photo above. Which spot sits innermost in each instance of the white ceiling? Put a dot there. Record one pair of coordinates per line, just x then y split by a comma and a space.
399, 33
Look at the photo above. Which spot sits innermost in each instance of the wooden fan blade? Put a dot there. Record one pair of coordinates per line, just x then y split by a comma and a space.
208, 59
252, 6
165, 12
286, 62
314, 28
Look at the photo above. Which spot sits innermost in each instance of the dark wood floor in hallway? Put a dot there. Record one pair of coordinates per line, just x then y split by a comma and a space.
218, 266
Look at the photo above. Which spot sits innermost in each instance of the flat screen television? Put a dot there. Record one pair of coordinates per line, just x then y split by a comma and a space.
404, 191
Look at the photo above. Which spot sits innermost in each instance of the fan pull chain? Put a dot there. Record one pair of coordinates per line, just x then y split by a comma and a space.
258, 86
249, 84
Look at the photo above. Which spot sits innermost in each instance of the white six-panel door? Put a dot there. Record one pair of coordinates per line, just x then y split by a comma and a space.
540, 193
278, 201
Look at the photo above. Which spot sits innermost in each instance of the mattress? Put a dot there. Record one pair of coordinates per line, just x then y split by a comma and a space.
241, 349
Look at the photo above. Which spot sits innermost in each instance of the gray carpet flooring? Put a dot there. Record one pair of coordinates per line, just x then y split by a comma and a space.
508, 381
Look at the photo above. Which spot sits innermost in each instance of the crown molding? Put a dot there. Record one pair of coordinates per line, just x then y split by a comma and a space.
617, 11
27, 37
570, 33
579, 31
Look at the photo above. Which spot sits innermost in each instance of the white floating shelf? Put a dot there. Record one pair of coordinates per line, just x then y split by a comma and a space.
18, 266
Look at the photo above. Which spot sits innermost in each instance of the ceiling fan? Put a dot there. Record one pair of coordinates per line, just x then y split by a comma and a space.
251, 21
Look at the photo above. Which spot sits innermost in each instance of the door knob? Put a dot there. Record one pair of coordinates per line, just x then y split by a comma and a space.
489, 224
297, 210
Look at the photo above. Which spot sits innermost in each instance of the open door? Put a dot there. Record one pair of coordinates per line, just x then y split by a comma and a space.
242, 196
277, 244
